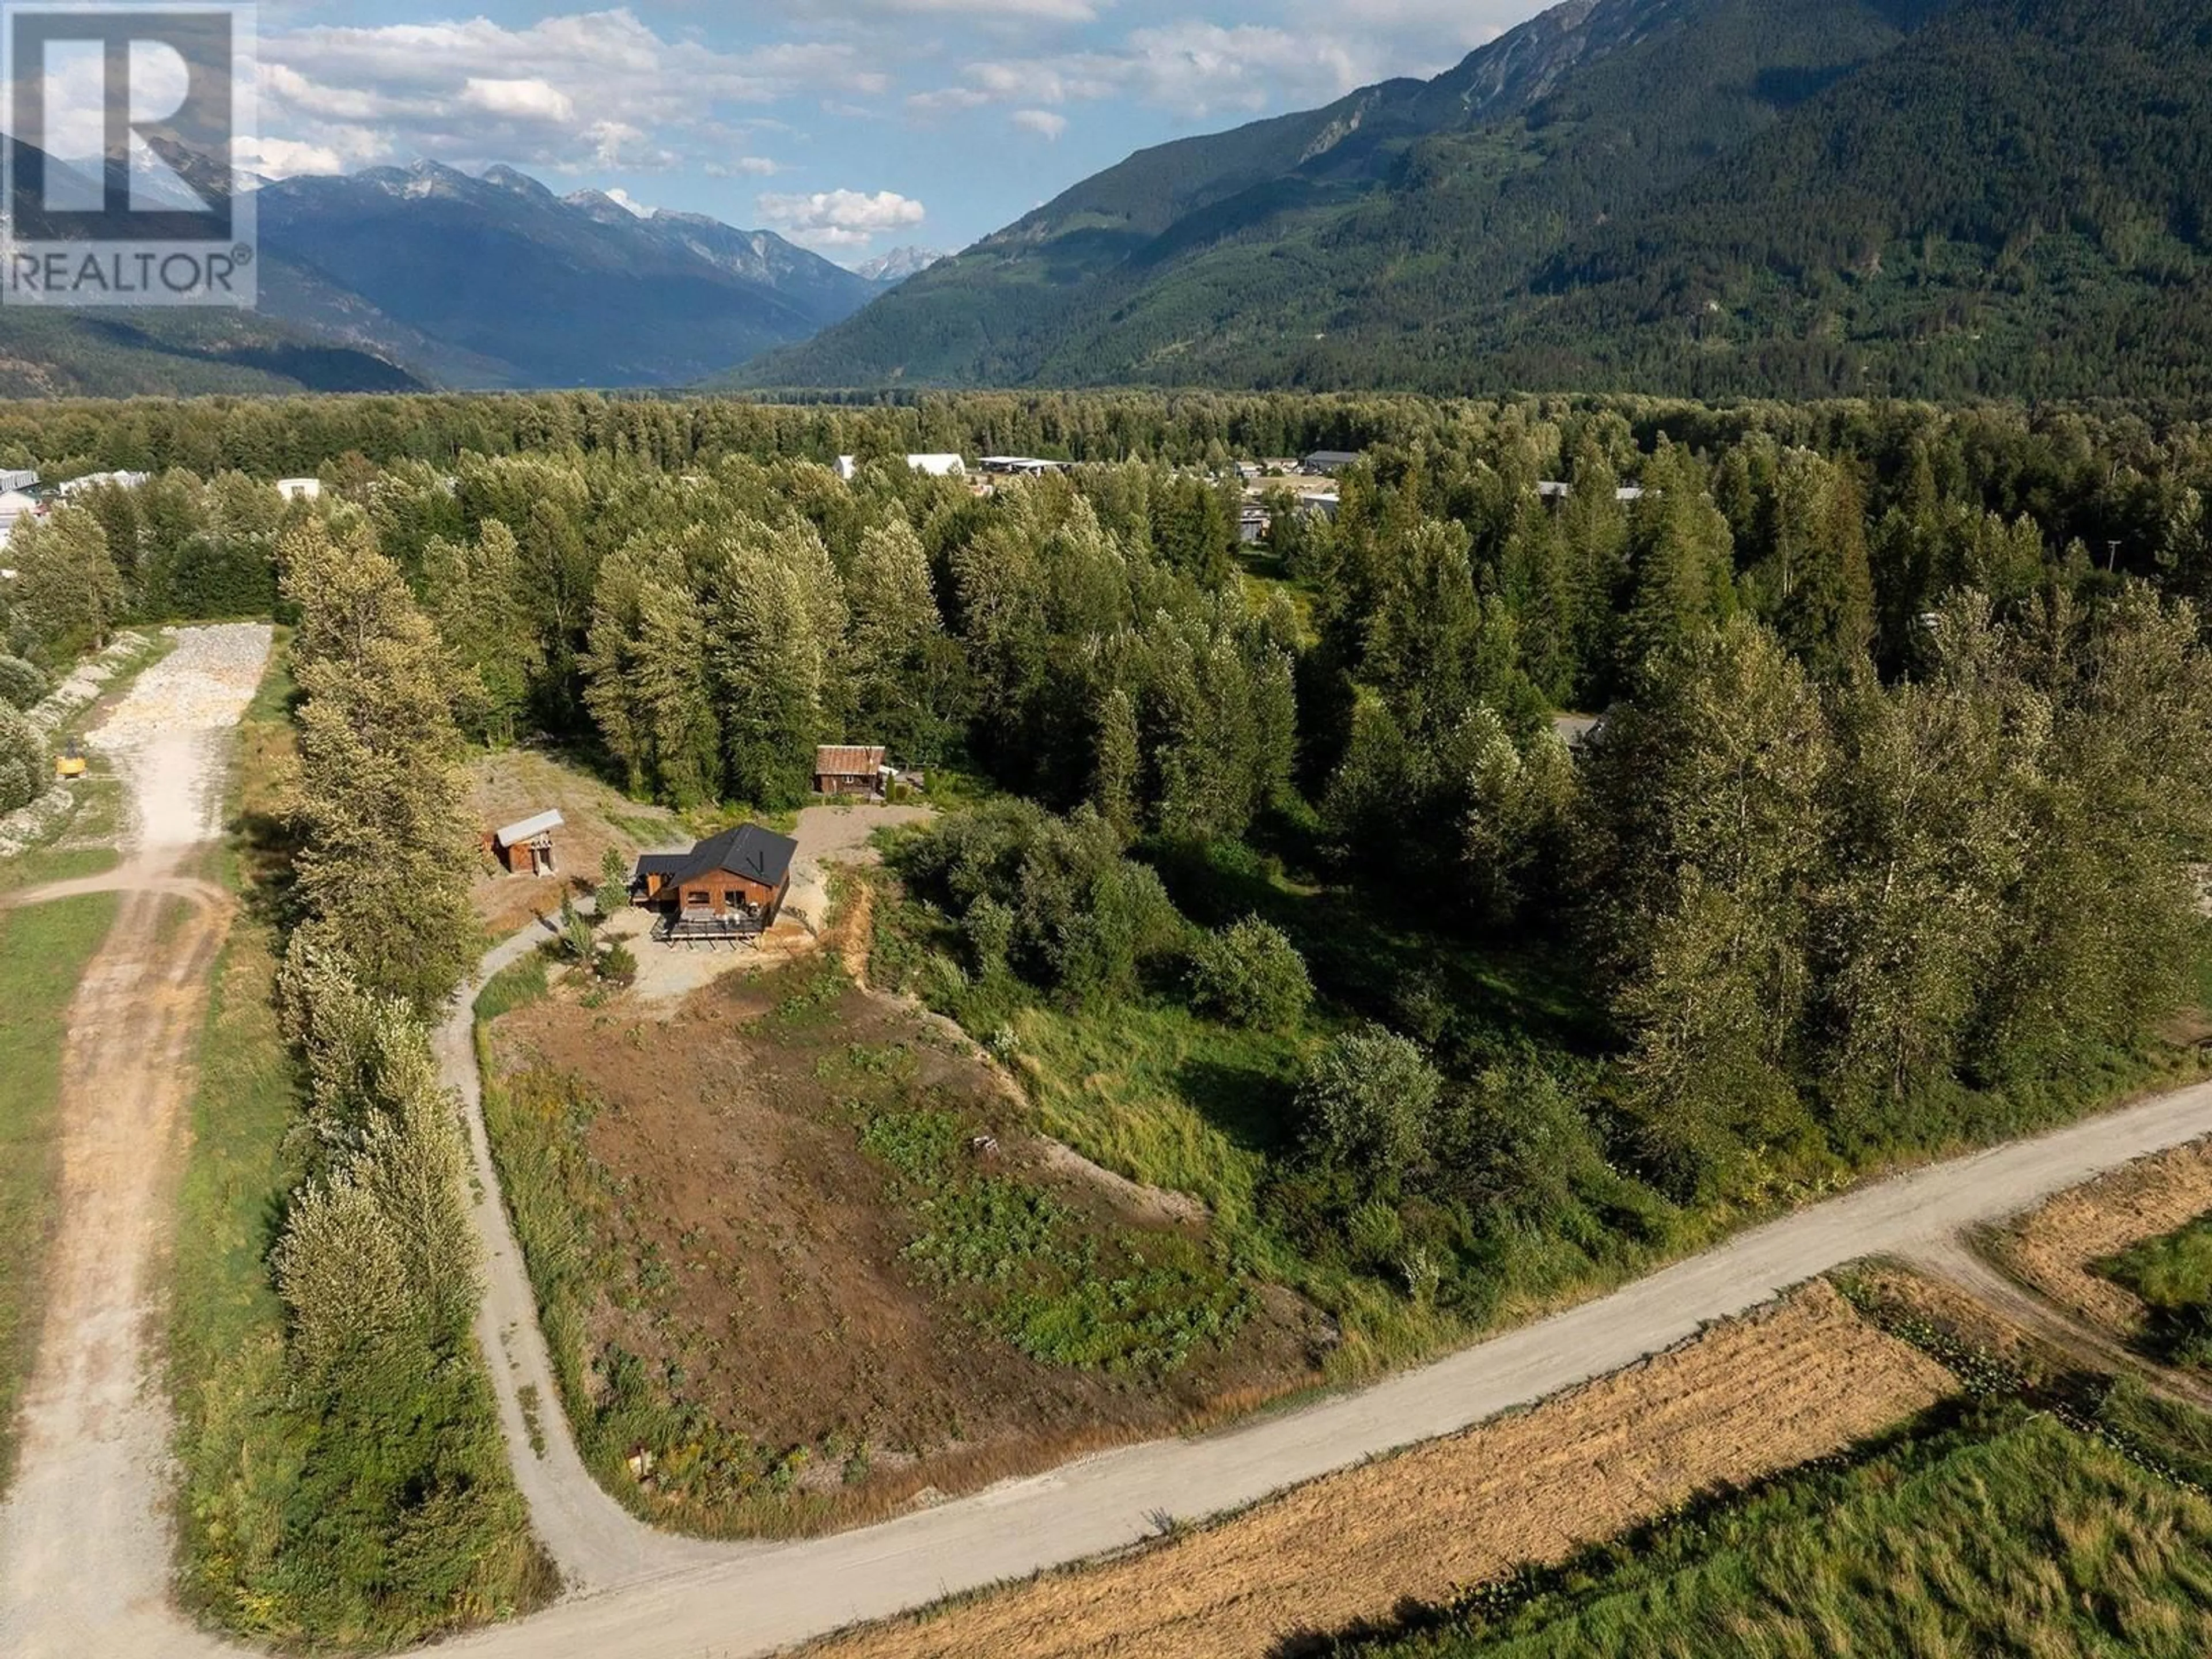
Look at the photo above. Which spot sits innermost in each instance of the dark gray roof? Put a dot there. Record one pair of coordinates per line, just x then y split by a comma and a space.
748, 850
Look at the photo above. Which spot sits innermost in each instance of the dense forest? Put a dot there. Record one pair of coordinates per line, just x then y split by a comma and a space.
1937, 198
1888, 840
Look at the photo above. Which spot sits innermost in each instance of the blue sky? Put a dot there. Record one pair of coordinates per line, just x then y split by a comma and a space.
850, 125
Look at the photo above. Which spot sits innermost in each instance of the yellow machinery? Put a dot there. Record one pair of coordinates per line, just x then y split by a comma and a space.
69, 763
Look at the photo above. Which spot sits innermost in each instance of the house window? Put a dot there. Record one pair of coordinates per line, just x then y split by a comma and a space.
734, 898
698, 898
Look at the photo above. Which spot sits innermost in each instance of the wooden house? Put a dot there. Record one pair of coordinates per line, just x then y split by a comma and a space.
849, 769
525, 848
729, 885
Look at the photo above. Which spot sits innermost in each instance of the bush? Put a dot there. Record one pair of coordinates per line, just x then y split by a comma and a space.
22, 761
1367, 1102
618, 965
20, 683
1250, 973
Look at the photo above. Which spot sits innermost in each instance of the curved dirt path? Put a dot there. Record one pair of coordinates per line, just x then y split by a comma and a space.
592, 1539
84, 1535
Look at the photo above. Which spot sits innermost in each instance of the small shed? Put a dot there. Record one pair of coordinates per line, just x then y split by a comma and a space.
300, 489
849, 769
525, 848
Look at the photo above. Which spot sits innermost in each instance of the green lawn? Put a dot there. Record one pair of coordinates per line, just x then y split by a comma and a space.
2001, 1532
43, 952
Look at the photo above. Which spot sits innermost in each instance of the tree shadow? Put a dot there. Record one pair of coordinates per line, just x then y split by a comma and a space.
1249, 1104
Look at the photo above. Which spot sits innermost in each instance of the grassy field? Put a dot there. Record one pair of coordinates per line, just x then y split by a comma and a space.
1996, 1531
2172, 1275
241, 1449
43, 952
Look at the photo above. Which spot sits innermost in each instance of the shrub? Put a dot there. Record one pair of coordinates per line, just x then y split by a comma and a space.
20, 683
988, 930
1250, 973
613, 892
22, 761
618, 965
1367, 1102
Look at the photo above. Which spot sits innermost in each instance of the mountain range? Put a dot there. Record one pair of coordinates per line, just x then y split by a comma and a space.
1940, 198
397, 277
1706, 197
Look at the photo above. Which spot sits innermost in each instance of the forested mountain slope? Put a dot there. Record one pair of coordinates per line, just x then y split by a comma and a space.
1710, 196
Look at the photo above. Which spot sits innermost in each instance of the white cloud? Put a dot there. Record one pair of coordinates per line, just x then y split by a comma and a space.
840, 218
627, 202
532, 100
742, 167
280, 158
563, 94
1043, 122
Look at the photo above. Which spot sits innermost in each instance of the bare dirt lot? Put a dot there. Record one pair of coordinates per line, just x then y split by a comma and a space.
1748, 1398
2056, 1248
753, 1259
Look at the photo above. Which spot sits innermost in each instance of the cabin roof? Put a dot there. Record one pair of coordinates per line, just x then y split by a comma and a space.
747, 851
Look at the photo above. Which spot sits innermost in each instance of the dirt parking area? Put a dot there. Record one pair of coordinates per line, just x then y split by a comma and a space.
2056, 1247
1746, 1399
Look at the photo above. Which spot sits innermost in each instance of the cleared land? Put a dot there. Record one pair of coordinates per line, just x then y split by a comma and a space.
1748, 1398
801, 1262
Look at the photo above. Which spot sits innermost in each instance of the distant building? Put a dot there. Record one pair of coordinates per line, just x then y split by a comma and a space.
849, 768
1330, 462
1552, 492
21, 477
1021, 466
1323, 501
939, 466
300, 489
1251, 525
849, 467
77, 486
14, 507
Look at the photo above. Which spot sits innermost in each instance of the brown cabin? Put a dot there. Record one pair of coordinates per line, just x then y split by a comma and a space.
848, 769
732, 884
525, 848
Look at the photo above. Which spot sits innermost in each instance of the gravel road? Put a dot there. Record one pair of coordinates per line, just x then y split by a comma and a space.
84, 1536
762, 1597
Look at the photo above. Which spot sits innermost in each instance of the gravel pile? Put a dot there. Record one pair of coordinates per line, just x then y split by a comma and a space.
203, 685
87, 680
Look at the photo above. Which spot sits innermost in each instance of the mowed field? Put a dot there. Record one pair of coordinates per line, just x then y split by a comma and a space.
1745, 1400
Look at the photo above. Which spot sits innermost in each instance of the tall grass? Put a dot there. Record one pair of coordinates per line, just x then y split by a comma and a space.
2001, 1532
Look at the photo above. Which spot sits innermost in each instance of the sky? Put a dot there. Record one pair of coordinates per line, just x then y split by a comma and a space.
850, 126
